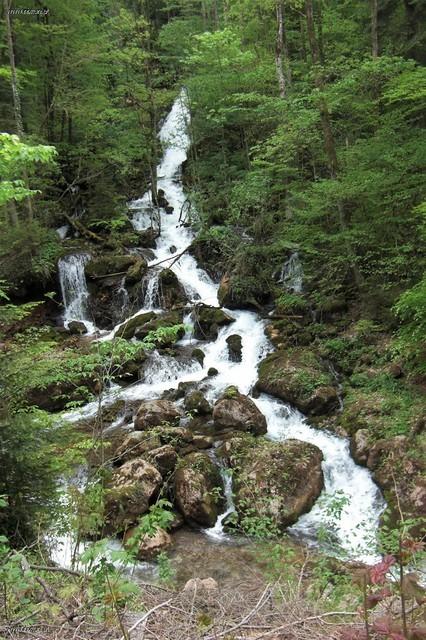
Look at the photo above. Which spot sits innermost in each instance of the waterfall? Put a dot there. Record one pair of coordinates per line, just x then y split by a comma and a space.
74, 289
357, 527
292, 274
152, 298
216, 532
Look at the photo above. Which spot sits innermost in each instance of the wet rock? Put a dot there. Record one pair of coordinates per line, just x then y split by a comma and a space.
235, 347
199, 355
197, 489
178, 437
208, 321
131, 326
172, 292
360, 446
56, 395
162, 321
147, 547
169, 209
212, 371
236, 411
153, 413
276, 480
147, 238
77, 328
136, 271
109, 265
298, 377
172, 248
131, 490
195, 401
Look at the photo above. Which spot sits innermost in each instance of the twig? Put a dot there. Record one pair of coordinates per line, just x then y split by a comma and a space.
146, 616
174, 258
41, 567
304, 620
251, 613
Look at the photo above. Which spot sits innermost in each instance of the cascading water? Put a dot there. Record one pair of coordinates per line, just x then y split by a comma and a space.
74, 289
355, 531
291, 276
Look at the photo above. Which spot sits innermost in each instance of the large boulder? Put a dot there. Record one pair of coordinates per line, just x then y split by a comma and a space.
236, 411
131, 326
136, 271
154, 413
208, 320
242, 291
298, 377
171, 291
136, 444
162, 321
235, 347
276, 481
109, 265
147, 547
195, 401
132, 489
198, 489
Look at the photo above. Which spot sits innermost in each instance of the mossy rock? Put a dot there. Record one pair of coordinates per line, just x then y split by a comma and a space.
136, 271
236, 411
198, 489
172, 292
106, 265
298, 377
195, 401
276, 481
131, 326
164, 320
208, 320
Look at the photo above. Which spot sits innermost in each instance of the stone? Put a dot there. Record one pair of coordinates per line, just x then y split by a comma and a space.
360, 446
208, 320
169, 209
109, 265
136, 444
298, 377
235, 347
237, 411
200, 585
128, 329
199, 355
163, 320
148, 547
136, 271
164, 458
153, 413
171, 291
277, 480
195, 401
132, 489
198, 489
76, 327
212, 371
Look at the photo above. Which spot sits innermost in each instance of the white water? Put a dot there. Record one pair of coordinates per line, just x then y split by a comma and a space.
292, 274
74, 289
356, 529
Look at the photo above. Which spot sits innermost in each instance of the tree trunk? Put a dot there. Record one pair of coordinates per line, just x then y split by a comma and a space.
17, 109
279, 47
374, 28
320, 32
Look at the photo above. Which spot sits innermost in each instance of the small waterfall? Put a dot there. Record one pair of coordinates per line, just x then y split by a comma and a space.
292, 274
74, 289
217, 531
152, 298
124, 295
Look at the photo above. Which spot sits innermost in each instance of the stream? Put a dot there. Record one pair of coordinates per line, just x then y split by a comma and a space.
362, 503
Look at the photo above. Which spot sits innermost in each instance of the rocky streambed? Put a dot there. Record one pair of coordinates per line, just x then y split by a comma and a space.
212, 418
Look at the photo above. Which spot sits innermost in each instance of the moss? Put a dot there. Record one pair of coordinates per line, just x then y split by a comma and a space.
105, 265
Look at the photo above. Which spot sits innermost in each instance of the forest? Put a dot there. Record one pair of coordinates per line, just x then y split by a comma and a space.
212, 319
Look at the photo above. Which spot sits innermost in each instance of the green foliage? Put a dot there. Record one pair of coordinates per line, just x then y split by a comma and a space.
411, 310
